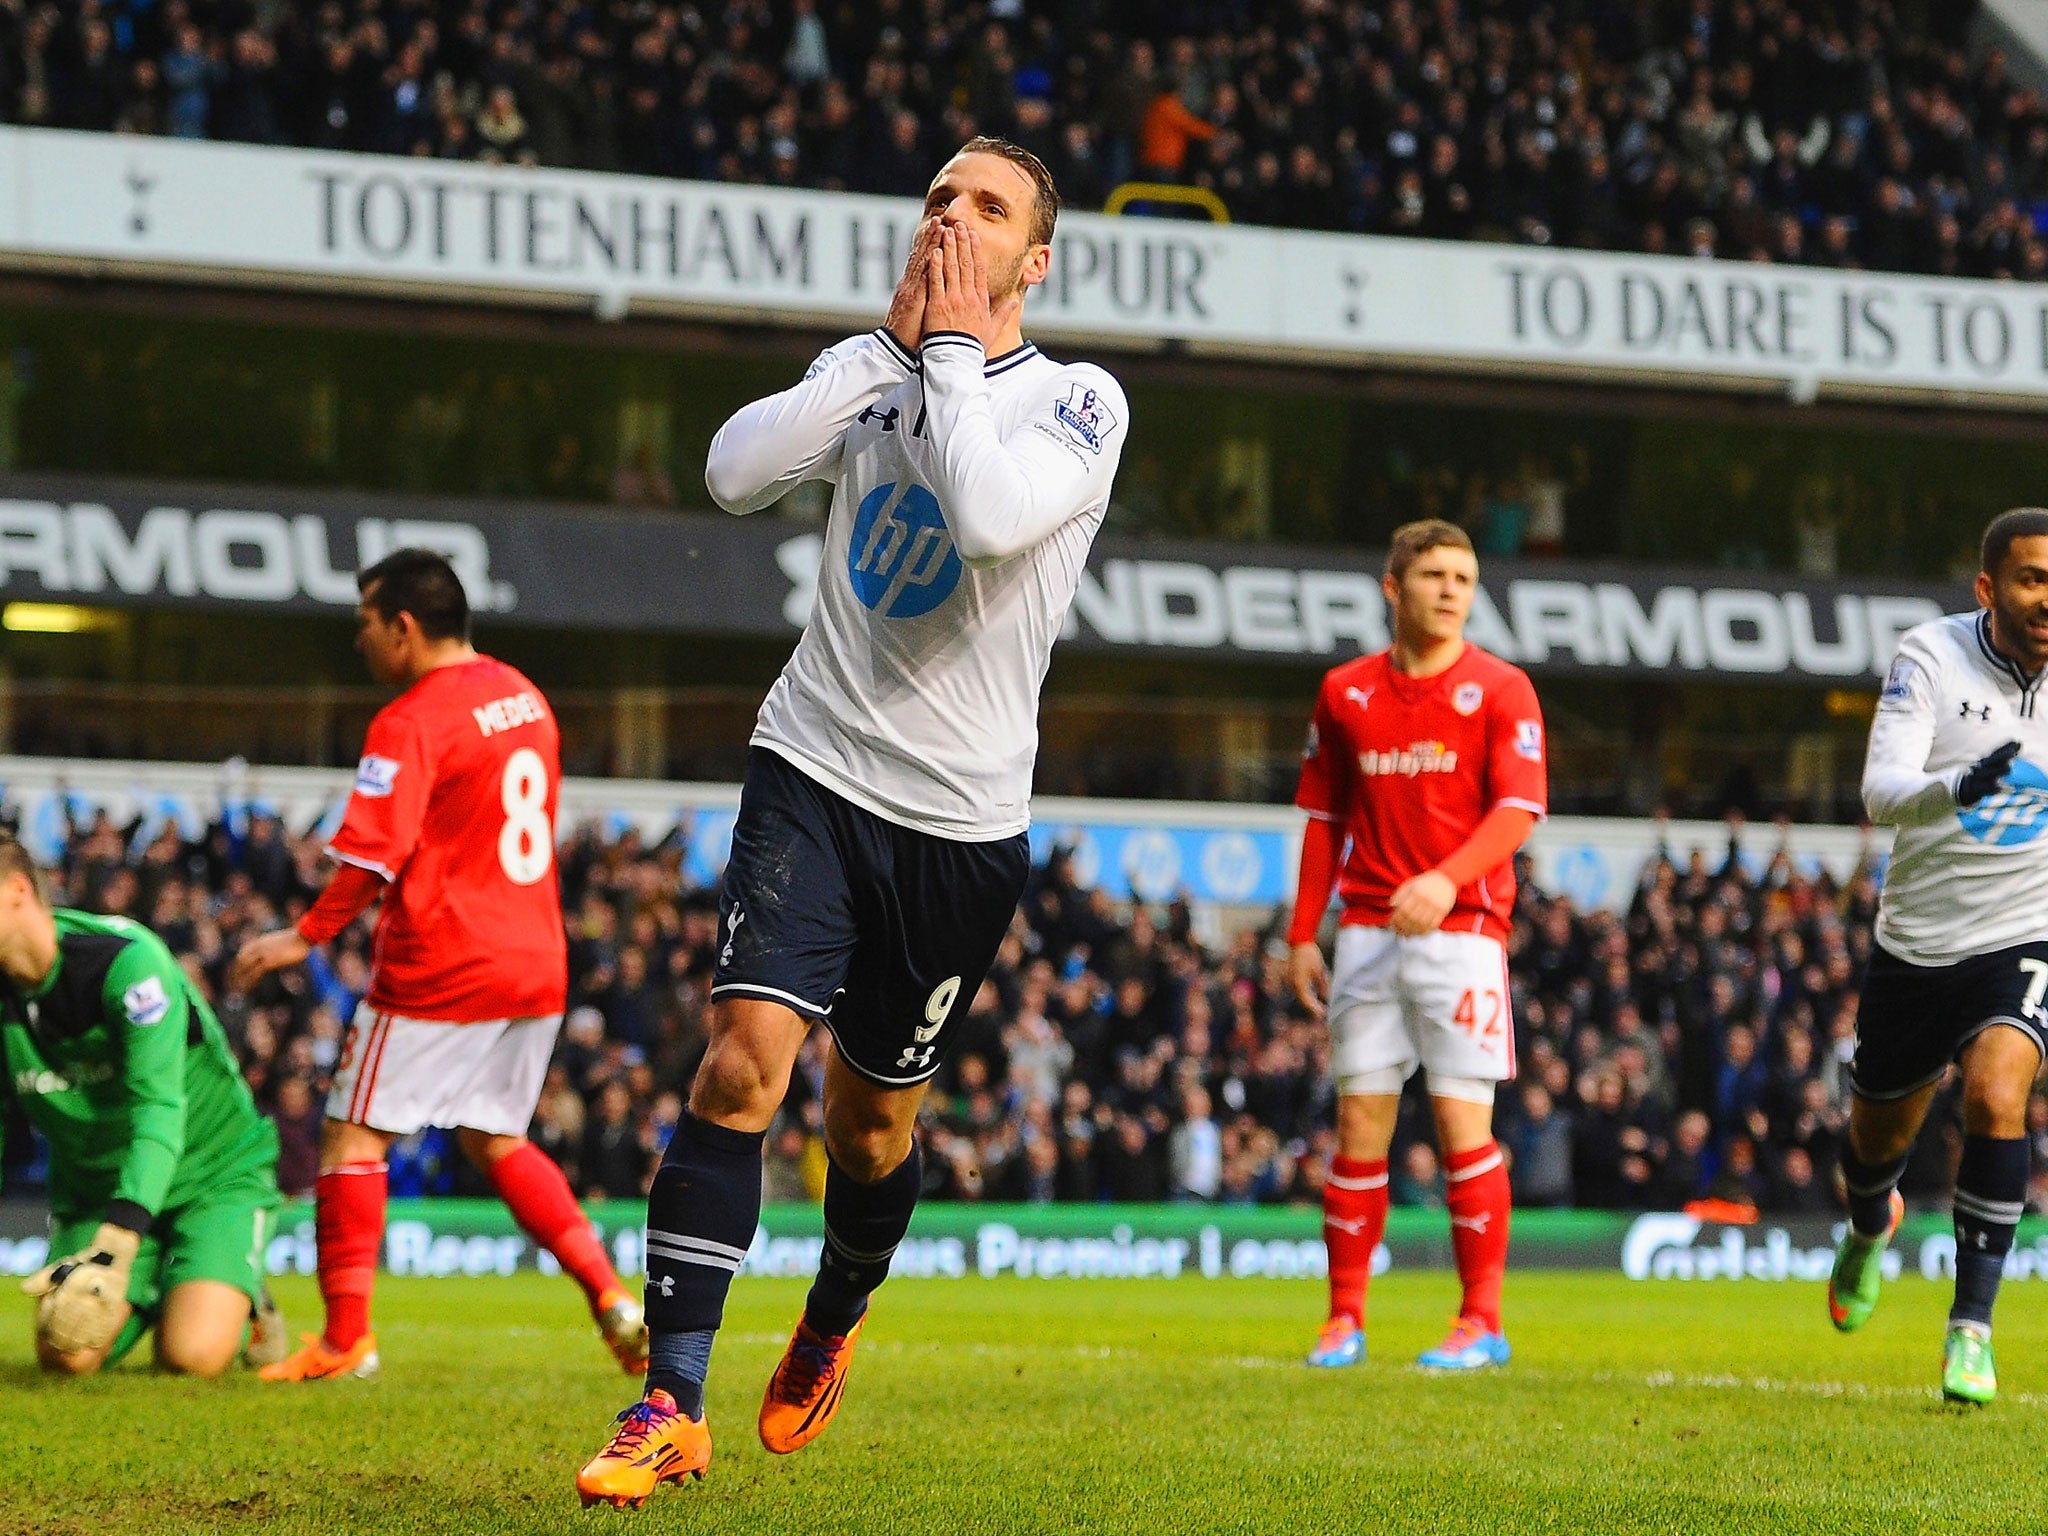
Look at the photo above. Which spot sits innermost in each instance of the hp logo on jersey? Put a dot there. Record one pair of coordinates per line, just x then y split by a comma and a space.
901, 558
2016, 812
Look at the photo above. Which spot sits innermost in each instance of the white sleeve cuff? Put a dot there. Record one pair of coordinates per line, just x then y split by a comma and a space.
382, 872
894, 350
953, 347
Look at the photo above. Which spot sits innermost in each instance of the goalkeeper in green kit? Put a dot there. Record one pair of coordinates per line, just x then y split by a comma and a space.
163, 1177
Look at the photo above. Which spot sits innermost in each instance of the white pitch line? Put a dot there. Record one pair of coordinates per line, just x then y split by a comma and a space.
1659, 1381
1728, 1381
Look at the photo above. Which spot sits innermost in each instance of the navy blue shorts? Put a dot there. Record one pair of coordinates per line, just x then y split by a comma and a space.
1913, 1020
882, 932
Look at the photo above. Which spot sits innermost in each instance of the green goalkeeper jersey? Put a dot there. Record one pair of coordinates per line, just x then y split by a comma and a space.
127, 1073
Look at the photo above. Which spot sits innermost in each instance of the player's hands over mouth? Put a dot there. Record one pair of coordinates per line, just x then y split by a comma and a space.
1310, 976
957, 296
905, 320
1421, 903
265, 953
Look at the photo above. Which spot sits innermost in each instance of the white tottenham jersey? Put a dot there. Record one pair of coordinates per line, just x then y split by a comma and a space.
966, 493
1963, 881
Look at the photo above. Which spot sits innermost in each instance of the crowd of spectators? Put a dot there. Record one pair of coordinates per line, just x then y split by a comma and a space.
1694, 1047
1833, 132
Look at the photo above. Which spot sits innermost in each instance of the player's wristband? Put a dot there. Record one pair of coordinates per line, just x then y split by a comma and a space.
130, 1215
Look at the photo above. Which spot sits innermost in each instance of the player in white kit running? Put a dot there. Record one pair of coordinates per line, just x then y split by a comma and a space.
880, 849
1959, 764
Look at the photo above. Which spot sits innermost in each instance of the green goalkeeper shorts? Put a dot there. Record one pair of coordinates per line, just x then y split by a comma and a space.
221, 1236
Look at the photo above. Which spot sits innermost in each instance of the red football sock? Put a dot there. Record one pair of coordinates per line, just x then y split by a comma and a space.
1354, 1219
348, 1221
1476, 1183
529, 1182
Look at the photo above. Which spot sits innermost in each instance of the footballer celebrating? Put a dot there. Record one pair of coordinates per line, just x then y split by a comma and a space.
451, 825
1958, 763
1428, 760
880, 849
163, 1177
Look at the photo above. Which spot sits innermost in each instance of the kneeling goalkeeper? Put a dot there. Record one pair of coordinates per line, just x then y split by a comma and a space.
163, 1177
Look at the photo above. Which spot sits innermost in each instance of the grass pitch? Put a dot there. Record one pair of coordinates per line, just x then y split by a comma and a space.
1073, 1406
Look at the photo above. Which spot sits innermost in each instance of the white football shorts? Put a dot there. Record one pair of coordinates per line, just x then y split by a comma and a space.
1439, 1000
398, 1074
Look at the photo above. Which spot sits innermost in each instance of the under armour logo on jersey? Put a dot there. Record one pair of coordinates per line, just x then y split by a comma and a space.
916, 1058
901, 557
887, 417
1980, 711
733, 919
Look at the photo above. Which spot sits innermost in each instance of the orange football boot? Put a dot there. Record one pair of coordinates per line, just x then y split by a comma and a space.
655, 1443
316, 1360
804, 1392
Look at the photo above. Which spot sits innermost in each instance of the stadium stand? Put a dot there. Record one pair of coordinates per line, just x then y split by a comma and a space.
1695, 1047
1856, 134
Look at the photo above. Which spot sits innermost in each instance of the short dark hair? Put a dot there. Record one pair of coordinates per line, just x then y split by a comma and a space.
1413, 540
422, 583
2019, 523
17, 860
1046, 208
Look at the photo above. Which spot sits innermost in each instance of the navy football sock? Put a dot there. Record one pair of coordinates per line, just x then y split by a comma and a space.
701, 1216
1870, 1188
677, 1364
863, 1225
1991, 1195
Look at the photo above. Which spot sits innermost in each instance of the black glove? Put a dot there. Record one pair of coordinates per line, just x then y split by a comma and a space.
1984, 775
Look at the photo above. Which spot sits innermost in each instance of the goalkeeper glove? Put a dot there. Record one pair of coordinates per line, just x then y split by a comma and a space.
83, 1300
1985, 775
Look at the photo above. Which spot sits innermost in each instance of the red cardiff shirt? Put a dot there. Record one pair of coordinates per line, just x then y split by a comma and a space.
1410, 766
454, 805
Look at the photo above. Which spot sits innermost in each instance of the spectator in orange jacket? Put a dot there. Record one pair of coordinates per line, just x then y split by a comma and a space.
1163, 143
